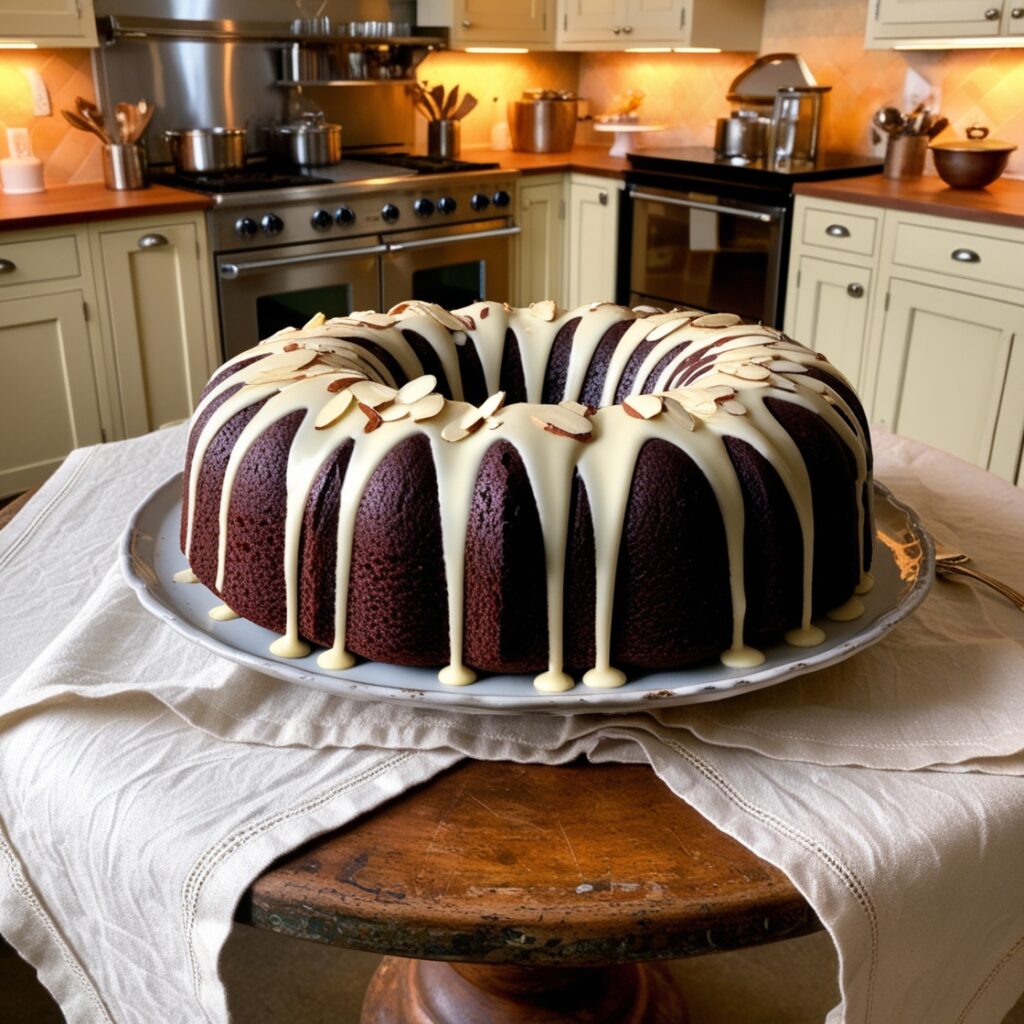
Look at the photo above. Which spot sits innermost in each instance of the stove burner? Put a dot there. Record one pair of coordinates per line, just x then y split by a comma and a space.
254, 178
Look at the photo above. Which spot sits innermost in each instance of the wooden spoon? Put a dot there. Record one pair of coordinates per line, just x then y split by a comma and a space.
437, 95
88, 111
79, 122
469, 101
449, 104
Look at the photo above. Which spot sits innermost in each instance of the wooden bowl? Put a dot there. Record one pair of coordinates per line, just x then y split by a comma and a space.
973, 162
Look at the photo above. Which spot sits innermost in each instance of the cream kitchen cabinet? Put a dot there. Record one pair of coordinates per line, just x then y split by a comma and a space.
935, 344
49, 23
106, 331
627, 24
156, 317
491, 23
891, 22
591, 239
831, 279
54, 398
540, 247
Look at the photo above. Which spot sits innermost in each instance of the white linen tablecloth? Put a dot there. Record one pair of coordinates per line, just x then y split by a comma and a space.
144, 782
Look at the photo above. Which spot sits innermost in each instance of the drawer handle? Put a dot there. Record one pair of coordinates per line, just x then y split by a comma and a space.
602, 198
153, 241
837, 231
1017, 13
855, 291
8, 266
992, 14
965, 256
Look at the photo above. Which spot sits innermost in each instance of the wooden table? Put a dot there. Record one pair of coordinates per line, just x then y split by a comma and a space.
527, 893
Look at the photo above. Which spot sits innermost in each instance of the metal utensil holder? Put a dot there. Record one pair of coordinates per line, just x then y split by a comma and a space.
904, 156
124, 166
443, 138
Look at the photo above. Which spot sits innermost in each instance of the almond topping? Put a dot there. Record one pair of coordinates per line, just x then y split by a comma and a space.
643, 407
666, 328
471, 420
370, 393
748, 371
453, 432
342, 383
736, 408
373, 418
717, 320
492, 404
578, 407
546, 310
417, 388
333, 410
556, 420
784, 366
394, 411
427, 408
314, 322
675, 412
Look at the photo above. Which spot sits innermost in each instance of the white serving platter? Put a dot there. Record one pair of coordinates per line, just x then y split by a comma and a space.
904, 569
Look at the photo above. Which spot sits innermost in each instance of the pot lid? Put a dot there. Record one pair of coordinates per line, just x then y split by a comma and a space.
533, 95
308, 124
977, 141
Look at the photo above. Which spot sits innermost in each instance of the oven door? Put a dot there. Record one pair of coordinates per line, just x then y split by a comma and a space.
261, 291
454, 267
710, 252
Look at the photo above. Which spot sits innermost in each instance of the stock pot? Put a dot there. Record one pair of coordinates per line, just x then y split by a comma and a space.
201, 150
308, 142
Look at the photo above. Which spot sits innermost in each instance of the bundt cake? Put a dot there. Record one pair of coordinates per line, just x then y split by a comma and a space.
533, 490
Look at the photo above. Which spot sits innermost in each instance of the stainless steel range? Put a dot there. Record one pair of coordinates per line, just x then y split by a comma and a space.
370, 235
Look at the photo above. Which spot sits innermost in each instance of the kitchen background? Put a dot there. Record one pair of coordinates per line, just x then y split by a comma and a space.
685, 91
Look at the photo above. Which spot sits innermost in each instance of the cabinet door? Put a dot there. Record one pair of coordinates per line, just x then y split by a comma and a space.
829, 311
156, 320
661, 20
52, 406
1016, 19
500, 22
591, 257
951, 373
592, 20
540, 248
897, 19
49, 22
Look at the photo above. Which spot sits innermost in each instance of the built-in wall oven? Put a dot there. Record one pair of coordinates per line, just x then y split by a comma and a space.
702, 231
283, 254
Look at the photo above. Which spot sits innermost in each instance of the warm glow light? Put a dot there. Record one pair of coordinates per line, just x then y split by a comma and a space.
696, 49
12, 44
497, 49
960, 44
648, 49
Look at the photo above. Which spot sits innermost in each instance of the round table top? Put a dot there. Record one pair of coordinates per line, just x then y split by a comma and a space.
538, 864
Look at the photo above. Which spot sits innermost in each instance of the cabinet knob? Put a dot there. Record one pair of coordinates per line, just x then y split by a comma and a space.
153, 241
602, 198
838, 231
992, 14
466, 23
616, 30
855, 291
1017, 13
627, 29
8, 266
965, 256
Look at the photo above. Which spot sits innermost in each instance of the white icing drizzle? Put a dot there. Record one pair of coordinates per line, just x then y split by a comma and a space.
301, 364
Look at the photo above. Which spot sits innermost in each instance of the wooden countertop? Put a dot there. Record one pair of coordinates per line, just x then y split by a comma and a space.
72, 204
1001, 203
584, 159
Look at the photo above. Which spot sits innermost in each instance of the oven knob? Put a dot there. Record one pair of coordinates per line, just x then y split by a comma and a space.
345, 216
446, 204
479, 201
423, 207
390, 212
501, 198
271, 224
321, 220
246, 227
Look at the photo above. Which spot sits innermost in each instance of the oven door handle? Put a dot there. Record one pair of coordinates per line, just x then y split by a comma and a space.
229, 271
728, 211
426, 243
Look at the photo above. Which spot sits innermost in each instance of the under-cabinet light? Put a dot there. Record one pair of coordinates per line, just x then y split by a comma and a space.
648, 49
13, 44
984, 43
497, 49
696, 49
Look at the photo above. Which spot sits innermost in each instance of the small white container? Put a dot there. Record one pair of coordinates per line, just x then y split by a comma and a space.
21, 173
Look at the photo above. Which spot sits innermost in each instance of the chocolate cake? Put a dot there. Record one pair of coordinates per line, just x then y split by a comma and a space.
561, 493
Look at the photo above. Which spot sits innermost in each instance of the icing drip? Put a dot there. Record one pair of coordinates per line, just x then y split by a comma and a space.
847, 612
732, 370
186, 576
866, 585
222, 613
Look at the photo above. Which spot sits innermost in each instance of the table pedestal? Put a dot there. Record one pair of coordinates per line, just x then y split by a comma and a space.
405, 991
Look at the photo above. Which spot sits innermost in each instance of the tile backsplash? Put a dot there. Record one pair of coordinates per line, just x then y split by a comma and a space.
69, 156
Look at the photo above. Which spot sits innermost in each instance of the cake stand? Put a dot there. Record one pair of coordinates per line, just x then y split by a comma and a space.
626, 134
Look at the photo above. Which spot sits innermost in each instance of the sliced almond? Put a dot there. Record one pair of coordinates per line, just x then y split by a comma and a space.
333, 410
643, 407
675, 412
370, 393
492, 423
291, 346
748, 371
417, 388
492, 403
783, 383
717, 320
427, 408
720, 391
546, 310
371, 318
785, 366
282, 362
736, 408
815, 385
556, 420
471, 420
373, 418
578, 407
341, 383
666, 328
453, 432
314, 321
394, 411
